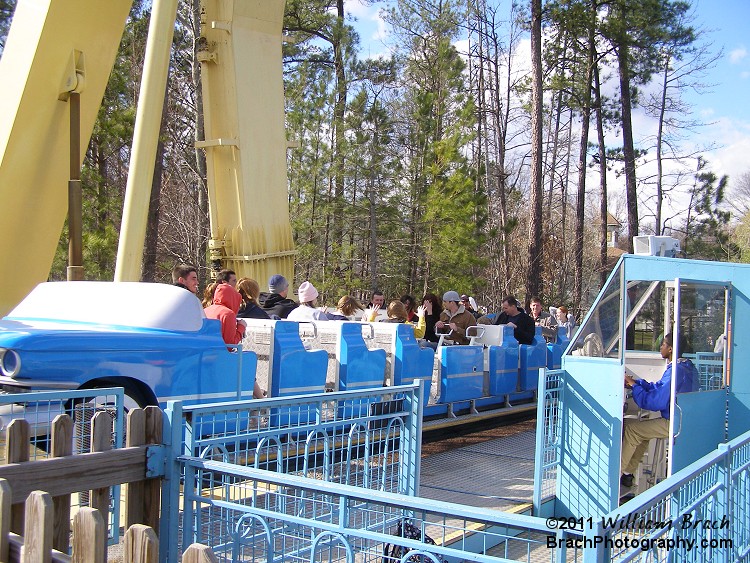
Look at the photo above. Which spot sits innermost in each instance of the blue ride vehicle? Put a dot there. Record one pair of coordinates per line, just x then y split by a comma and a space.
151, 339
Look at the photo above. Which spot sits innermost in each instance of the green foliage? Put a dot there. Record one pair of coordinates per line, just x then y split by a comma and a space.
7, 7
706, 233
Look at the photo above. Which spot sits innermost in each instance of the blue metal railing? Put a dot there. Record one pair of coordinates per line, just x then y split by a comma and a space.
548, 438
282, 517
701, 513
369, 438
339, 487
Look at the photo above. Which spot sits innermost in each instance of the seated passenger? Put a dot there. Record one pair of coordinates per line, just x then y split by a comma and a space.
654, 397
275, 303
471, 307
349, 307
208, 294
456, 317
227, 276
249, 308
375, 308
513, 315
224, 308
564, 319
411, 308
432, 309
186, 277
307, 310
544, 320
397, 314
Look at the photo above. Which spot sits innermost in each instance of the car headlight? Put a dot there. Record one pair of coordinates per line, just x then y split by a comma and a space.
10, 363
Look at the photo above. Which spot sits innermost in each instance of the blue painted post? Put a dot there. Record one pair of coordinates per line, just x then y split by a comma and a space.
724, 501
410, 474
170, 493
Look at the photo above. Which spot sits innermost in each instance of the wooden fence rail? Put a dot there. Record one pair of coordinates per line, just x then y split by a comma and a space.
89, 536
63, 473
36, 526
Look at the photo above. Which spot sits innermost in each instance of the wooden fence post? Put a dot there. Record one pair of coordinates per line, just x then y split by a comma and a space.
152, 488
89, 537
141, 545
135, 436
62, 446
37, 542
5, 497
17, 451
198, 553
101, 441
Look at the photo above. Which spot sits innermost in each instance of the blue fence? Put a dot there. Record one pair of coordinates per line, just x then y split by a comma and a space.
248, 514
701, 513
260, 515
369, 439
341, 483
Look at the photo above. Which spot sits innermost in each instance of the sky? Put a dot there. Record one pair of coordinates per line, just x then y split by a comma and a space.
724, 108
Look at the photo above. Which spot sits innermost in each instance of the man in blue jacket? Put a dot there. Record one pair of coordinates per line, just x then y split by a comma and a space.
654, 397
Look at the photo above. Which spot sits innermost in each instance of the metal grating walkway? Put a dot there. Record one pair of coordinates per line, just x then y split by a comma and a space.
496, 474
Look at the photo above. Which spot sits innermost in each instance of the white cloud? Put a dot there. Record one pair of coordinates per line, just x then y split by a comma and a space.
356, 8
382, 28
737, 55
731, 157
372, 28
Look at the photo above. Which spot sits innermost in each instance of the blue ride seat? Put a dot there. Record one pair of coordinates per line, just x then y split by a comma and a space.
503, 364
295, 371
556, 349
359, 368
411, 362
461, 373
533, 358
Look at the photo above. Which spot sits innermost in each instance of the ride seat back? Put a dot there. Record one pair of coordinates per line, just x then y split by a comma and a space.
556, 349
295, 371
533, 358
461, 373
411, 362
502, 364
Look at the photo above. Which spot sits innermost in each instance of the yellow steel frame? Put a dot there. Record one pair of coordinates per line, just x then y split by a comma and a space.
58, 46
54, 47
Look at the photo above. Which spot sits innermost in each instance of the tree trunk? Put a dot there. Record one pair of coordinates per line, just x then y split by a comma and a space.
603, 273
339, 127
534, 268
659, 138
628, 149
582, 153
203, 227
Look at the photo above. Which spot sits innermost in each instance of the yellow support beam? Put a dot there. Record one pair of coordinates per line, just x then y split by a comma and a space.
245, 144
145, 140
54, 47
